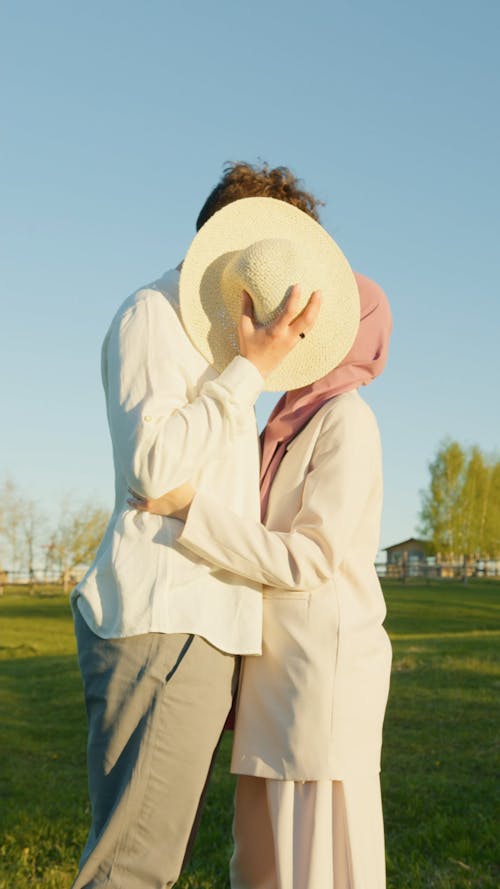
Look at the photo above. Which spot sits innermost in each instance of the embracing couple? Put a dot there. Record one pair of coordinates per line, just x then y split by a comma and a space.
200, 565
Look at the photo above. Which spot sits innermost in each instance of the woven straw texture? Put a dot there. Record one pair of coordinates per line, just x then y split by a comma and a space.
265, 246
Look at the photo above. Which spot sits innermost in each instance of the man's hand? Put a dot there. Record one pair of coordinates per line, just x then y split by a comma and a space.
175, 503
267, 346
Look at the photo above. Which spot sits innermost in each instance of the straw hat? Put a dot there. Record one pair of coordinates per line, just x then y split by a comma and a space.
264, 246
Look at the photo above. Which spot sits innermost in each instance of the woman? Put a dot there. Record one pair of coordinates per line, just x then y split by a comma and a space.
310, 711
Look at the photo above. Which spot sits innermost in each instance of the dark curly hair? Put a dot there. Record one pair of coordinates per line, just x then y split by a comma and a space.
242, 180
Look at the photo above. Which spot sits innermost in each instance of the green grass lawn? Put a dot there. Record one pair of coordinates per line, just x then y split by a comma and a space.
440, 760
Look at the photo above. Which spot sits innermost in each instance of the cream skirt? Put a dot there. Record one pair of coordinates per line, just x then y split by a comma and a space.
308, 835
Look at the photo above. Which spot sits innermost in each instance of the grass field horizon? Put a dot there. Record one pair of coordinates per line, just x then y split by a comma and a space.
440, 760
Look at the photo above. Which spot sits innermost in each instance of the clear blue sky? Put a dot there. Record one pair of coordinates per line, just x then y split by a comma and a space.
116, 120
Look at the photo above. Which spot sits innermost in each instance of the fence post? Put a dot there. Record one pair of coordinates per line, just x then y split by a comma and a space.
405, 566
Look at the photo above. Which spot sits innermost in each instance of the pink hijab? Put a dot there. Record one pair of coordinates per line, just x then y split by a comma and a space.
365, 361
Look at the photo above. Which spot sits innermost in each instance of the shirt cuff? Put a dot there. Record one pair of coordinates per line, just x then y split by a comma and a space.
194, 533
242, 380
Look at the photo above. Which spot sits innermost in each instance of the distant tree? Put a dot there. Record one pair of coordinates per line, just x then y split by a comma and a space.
22, 525
11, 519
33, 527
492, 517
76, 537
474, 505
441, 504
461, 509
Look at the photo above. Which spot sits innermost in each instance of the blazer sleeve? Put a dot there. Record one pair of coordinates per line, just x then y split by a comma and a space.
160, 437
344, 471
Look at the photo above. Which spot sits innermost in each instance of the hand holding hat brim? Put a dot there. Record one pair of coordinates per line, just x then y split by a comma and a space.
267, 345
211, 283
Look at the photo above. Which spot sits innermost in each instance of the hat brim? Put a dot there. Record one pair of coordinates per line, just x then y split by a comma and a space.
211, 323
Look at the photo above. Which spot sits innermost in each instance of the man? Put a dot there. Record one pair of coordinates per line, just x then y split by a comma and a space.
158, 631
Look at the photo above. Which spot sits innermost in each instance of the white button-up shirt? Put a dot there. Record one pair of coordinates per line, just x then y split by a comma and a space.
172, 419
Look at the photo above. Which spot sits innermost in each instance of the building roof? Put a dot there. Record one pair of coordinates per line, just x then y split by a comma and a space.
422, 543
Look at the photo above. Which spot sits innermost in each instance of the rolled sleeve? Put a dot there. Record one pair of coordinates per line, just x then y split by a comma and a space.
162, 437
242, 381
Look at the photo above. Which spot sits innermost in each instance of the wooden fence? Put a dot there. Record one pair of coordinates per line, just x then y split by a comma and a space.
402, 571
427, 570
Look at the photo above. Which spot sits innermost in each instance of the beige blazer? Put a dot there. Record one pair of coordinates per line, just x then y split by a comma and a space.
312, 706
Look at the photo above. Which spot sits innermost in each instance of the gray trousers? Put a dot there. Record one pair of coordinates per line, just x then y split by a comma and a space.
156, 706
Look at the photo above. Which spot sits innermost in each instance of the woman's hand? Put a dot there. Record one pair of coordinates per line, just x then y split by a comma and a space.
175, 503
267, 345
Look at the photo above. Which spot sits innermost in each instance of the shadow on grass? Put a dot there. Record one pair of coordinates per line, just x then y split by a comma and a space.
440, 763
442, 608
43, 735
41, 608
44, 815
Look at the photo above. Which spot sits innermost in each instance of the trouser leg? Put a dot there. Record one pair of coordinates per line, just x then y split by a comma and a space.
308, 835
301, 817
253, 862
358, 834
156, 705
